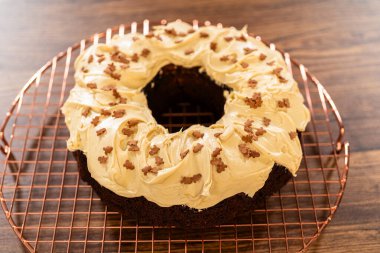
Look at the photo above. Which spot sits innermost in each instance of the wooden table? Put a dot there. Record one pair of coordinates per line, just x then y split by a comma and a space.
339, 41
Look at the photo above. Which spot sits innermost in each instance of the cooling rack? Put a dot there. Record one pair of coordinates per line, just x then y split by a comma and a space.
52, 210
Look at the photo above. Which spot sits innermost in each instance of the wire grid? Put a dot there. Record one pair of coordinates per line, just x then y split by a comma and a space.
52, 210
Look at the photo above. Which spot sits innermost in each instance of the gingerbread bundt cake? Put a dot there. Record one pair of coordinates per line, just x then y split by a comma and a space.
200, 175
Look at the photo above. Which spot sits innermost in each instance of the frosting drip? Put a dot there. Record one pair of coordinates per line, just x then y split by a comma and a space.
129, 153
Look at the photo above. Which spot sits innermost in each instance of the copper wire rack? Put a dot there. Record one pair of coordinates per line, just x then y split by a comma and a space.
52, 210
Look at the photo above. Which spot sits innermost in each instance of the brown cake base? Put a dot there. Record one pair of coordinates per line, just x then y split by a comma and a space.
223, 213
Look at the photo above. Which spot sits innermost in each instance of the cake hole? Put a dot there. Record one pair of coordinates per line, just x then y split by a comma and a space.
181, 97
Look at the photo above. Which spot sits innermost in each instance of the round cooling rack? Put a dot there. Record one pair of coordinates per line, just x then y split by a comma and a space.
52, 210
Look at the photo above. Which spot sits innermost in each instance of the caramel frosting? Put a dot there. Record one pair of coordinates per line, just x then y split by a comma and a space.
129, 153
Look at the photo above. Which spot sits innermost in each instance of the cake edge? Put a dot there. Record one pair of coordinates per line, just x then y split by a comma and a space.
224, 212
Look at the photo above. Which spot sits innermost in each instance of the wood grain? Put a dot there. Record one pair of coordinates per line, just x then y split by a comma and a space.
339, 41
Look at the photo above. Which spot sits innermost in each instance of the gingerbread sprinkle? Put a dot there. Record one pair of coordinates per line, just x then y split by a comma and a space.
197, 134
247, 152
95, 121
224, 58
107, 150
102, 159
260, 131
248, 50
184, 153
90, 58
135, 57
266, 121
284, 103
217, 135
213, 46
252, 83
118, 113
292, 135
145, 52
149, 169
101, 131
86, 111
91, 85
128, 165
219, 164
277, 71
190, 180
198, 147
255, 101
154, 150
133, 145
262, 57
244, 64
159, 160
203, 35
189, 51
133, 122
216, 152
127, 131
228, 39
105, 112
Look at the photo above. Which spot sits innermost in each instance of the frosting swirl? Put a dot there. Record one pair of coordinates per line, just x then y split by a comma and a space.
129, 153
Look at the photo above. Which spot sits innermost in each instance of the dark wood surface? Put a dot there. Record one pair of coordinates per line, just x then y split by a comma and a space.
339, 41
